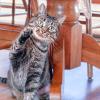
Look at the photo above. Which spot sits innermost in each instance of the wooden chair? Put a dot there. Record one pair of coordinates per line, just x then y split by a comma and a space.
8, 33
78, 47
89, 31
13, 7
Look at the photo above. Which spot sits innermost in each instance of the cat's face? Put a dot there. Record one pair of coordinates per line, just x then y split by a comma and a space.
46, 28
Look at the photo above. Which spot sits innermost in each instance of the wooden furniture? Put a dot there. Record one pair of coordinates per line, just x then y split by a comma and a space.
71, 31
73, 42
90, 53
13, 7
96, 1
8, 33
93, 12
89, 31
90, 50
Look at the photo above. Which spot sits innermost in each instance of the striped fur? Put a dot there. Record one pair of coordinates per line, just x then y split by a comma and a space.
29, 72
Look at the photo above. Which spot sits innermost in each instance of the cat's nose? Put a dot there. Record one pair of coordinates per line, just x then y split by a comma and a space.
44, 30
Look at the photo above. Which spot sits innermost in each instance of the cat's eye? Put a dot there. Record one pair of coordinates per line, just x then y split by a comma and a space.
52, 29
37, 29
40, 22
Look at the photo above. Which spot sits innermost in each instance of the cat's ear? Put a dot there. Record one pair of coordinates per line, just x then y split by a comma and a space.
42, 9
60, 14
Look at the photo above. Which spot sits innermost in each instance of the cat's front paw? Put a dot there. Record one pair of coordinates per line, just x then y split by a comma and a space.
31, 96
25, 35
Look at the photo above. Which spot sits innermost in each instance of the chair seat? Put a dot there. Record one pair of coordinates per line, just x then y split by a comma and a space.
4, 44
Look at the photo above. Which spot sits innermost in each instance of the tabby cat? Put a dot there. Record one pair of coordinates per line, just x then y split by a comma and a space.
29, 77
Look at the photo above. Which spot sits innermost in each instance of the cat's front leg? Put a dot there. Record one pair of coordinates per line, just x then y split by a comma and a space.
18, 46
31, 96
24, 35
45, 96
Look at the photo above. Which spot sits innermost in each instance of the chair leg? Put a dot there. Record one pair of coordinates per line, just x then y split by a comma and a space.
90, 71
25, 4
28, 12
13, 12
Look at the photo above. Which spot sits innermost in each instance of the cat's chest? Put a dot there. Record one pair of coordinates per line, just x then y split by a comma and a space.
20, 77
36, 50
37, 57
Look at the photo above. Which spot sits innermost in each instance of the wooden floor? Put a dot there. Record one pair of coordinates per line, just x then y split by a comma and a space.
5, 92
76, 85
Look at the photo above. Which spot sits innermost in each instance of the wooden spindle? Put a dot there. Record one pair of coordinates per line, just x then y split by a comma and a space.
89, 71
71, 31
25, 4
13, 12
73, 35
89, 31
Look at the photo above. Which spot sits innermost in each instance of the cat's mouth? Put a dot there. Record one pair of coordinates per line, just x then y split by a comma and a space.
39, 35
42, 33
